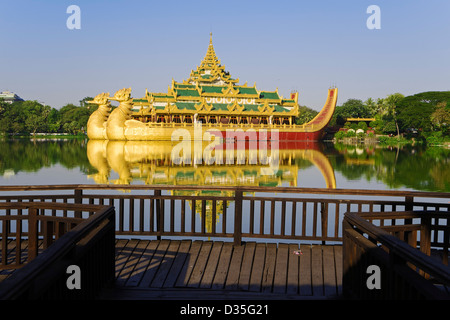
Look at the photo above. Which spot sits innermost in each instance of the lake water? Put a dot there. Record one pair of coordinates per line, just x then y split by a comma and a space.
316, 165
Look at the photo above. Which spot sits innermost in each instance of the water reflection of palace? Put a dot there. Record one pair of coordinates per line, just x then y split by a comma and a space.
154, 162
230, 164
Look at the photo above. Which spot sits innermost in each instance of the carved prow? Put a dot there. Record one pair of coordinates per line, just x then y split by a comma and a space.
115, 124
96, 126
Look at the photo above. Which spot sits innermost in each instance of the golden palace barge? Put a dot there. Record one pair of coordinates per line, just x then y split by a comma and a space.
209, 97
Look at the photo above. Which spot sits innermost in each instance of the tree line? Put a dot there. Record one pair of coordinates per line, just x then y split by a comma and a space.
423, 115
31, 117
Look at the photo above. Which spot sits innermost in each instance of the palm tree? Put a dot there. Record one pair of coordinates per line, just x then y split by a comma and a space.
390, 107
371, 105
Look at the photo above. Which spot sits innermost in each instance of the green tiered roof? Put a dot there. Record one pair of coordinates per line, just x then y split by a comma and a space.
210, 84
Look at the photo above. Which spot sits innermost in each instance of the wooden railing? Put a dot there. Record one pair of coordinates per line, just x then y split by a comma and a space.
306, 214
57, 235
240, 213
401, 252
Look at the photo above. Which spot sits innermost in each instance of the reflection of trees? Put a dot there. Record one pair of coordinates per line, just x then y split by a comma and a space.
412, 167
31, 156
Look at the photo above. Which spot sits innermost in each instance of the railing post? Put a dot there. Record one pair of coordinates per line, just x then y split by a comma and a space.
324, 220
78, 198
33, 232
47, 232
409, 203
410, 237
237, 217
425, 237
159, 215
347, 258
5, 235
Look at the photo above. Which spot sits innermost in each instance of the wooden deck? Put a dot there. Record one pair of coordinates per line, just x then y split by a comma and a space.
186, 269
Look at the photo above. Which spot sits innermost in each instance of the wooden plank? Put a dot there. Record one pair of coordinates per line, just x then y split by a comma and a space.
200, 265
211, 266
258, 267
222, 267
329, 271
247, 263
120, 244
155, 263
232, 281
9, 247
269, 267
305, 288
177, 266
293, 270
123, 252
281, 266
189, 263
138, 272
131, 262
198, 295
316, 270
165, 265
339, 267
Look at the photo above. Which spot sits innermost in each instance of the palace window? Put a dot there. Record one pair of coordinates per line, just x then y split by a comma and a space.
188, 119
233, 119
176, 118
212, 119
161, 118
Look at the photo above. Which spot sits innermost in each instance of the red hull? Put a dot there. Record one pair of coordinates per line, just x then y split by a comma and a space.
280, 135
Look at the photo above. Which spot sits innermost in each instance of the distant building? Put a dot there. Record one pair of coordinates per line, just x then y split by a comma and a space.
10, 97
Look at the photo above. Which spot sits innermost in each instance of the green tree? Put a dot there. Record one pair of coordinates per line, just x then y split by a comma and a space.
12, 119
73, 118
305, 115
390, 107
85, 102
35, 115
440, 118
352, 108
54, 121
372, 106
416, 111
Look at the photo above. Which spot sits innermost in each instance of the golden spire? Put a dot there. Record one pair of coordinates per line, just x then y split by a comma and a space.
210, 69
210, 57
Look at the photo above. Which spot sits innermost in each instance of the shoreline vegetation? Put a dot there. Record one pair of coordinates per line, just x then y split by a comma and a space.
391, 141
44, 136
396, 120
361, 139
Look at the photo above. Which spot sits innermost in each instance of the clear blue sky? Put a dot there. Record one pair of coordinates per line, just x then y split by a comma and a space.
290, 45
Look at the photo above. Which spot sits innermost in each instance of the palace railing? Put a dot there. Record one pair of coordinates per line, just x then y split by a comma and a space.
244, 126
